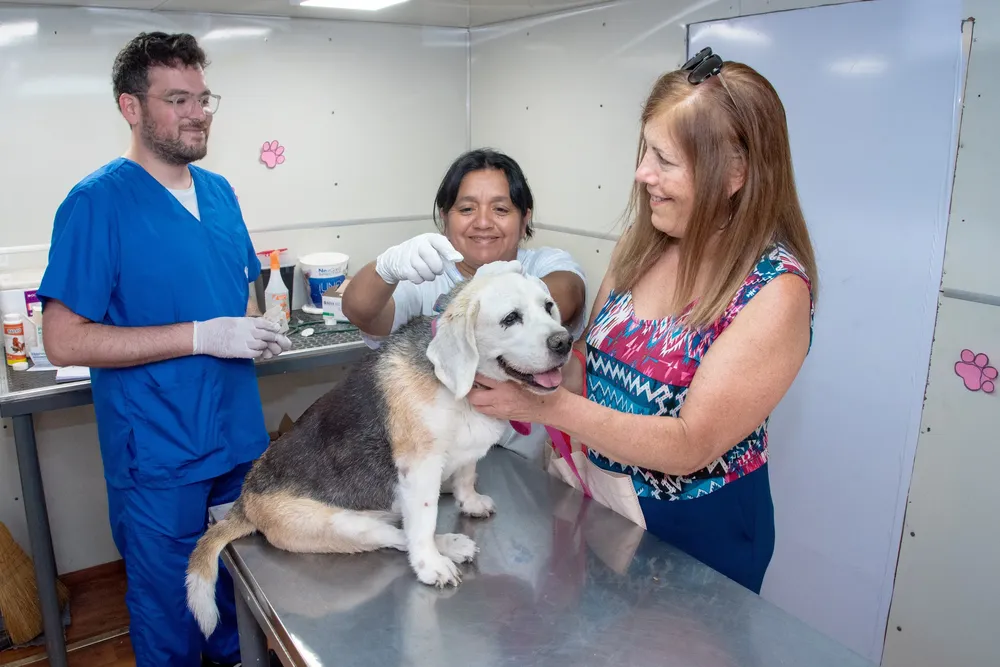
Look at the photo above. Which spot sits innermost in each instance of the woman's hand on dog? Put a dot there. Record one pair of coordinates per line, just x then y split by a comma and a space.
509, 400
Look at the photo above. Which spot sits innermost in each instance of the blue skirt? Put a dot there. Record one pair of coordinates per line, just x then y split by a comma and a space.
730, 530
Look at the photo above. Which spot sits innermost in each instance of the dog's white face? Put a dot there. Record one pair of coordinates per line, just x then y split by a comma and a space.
505, 326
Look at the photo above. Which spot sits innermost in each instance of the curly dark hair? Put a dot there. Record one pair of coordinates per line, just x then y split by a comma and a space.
130, 73
475, 160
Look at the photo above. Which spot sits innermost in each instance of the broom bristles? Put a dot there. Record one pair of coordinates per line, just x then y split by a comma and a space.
19, 604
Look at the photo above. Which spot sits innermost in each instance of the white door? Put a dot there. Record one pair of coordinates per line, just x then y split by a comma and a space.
870, 91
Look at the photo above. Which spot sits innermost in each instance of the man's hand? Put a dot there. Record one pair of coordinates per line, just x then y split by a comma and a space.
416, 260
239, 338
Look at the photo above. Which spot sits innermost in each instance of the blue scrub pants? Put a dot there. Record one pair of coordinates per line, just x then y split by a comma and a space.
731, 529
155, 530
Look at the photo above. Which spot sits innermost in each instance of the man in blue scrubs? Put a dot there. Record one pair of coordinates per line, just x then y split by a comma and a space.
148, 284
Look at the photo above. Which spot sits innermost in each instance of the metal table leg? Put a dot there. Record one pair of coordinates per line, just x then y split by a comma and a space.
253, 642
41, 538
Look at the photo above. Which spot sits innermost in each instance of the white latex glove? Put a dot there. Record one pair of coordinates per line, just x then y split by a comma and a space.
239, 338
276, 347
418, 259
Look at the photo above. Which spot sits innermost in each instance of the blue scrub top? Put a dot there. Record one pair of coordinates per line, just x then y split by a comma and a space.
125, 252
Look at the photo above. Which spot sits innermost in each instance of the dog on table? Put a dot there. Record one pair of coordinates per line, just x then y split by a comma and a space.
377, 448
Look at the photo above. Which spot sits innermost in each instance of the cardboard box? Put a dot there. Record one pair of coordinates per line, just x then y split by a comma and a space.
333, 311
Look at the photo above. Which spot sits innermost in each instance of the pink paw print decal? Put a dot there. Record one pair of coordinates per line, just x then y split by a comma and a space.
272, 154
976, 371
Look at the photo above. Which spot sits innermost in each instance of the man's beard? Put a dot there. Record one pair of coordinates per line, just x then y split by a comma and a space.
173, 150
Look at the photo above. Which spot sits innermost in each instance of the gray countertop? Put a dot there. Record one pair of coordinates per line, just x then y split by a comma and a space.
559, 581
27, 392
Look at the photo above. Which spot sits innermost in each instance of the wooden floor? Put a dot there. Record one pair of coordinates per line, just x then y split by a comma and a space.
98, 634
109, 653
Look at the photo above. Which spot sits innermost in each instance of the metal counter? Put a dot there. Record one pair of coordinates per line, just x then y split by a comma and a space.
559, 581
24, 393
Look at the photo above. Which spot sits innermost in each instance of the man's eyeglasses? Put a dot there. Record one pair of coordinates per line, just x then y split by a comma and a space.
702, 65
185, 105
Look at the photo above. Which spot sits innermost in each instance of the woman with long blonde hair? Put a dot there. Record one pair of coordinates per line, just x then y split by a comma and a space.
701, 325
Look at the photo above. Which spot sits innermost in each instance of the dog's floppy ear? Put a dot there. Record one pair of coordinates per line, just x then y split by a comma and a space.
538, 281
453, 350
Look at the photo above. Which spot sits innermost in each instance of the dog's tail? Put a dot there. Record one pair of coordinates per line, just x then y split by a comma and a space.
203, 566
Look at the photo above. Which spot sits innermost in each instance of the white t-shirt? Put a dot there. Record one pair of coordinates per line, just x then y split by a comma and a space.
188, 198
414, 300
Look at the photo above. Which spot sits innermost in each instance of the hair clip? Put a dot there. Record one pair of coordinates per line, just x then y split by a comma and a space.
702, 65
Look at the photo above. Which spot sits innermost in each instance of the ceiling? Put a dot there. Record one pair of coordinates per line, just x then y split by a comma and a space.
452, 13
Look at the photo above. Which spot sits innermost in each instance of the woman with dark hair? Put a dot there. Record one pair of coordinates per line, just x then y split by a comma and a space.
483, 210
699, 328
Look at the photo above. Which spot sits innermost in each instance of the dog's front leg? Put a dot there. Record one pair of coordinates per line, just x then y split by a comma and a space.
470, 501
419, 490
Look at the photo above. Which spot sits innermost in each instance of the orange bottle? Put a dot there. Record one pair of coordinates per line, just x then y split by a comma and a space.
276, 293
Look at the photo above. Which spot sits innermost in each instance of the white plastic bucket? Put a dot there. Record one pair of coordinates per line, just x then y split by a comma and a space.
320, 272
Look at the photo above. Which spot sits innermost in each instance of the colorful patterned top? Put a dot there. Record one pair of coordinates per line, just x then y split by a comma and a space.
646, 366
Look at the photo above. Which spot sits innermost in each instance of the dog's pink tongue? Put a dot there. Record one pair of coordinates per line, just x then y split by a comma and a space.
549, 378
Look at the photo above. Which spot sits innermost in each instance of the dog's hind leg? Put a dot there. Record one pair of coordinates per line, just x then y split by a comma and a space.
368, 530
303, 525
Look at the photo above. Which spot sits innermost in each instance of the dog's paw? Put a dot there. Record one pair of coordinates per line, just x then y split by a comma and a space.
477, 505
436, 570
456, 546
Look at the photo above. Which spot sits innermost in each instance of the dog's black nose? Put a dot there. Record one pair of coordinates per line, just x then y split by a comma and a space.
560, 342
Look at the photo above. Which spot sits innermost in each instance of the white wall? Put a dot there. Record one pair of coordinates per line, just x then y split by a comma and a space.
351, 102
370, 114
562, 95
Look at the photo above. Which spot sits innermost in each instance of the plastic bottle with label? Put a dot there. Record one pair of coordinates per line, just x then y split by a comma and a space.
276, 292
15, 345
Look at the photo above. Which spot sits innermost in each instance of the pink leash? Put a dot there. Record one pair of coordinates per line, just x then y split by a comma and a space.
561, 444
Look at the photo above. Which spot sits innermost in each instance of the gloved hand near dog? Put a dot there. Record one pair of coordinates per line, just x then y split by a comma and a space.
416, 260
239, 338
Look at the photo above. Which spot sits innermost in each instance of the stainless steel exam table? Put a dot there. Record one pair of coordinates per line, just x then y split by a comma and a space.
25, 393
559, 581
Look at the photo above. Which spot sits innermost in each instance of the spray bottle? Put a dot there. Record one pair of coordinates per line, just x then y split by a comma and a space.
276, 293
